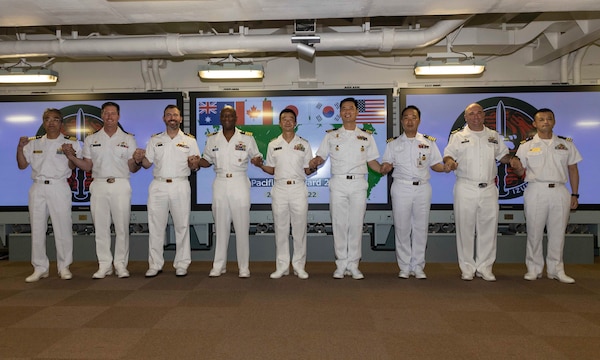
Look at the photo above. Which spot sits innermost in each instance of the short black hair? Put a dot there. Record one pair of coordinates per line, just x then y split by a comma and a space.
287, 111
543, 110
409, 107
350, 99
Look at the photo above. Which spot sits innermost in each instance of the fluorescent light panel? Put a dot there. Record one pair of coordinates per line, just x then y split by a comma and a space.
27, 76
230, 71
449, 64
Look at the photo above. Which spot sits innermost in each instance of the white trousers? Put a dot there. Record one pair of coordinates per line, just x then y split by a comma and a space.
290, 207
231, 203
410, 207
164, 197
52, 200
548, 208
111, 201
476, 213
348, 200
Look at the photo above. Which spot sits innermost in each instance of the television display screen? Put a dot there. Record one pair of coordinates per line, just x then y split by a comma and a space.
141, 115
317, 111
510, 110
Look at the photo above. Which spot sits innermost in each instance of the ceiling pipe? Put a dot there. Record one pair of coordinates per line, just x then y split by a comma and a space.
176, 45
145, 75
577, 61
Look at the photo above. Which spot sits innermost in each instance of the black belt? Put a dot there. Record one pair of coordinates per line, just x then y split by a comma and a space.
551, 185
110, 180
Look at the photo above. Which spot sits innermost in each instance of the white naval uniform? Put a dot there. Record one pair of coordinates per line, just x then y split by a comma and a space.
231, 193
170, 191
111, 193
411, 196
476, 196
547, 201
349, 150
289, 198
50, 195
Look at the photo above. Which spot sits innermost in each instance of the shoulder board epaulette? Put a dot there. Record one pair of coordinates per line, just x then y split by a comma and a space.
565, 138
330, 130
429, 137
301, 138
457, 130
69, 137
273, 139
245, 133
34, 137
127, 133
367, 131
391, 139
190, 135
213, 133
526, 140
156, 134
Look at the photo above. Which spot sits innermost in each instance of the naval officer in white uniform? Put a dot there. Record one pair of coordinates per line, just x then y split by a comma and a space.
230, 150
288, 158
351, 150
548, 161
50, 194
174, 155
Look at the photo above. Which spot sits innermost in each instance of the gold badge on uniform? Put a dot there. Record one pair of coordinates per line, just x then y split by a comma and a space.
362, 148
337, 148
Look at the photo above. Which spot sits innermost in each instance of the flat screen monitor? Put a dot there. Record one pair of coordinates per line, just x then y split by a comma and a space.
510, 111
141, 115
317, 111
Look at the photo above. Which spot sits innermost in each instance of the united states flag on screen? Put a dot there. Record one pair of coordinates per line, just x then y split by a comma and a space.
371, 111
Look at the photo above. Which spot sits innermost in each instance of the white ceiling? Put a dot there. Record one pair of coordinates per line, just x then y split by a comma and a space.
82, 30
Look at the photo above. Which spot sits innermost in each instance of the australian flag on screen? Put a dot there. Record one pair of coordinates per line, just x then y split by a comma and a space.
208, 111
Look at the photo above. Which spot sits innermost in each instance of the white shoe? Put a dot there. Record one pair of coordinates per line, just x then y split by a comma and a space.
36, 276
466, 276
121, 272
420, 274
338, 274
404, 275
180, 272
356, 274
279, 273
532, 276
102, 273
65, 274
301, 274
562, 277
216, 272
152, 272
244, 274
486, 275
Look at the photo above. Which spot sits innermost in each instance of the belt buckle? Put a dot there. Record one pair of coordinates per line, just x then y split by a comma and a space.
291, 182
349, 177
415, 183
228, 175
551, 185
46, 182
482, 185
169, 180
110, 180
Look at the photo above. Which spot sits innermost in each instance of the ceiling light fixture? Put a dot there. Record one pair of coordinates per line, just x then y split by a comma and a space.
304, 45
230, 68
25, 73
450, 63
